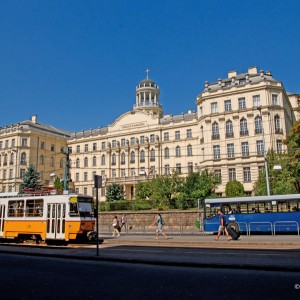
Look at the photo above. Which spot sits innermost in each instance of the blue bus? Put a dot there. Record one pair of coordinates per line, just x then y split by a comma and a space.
256, 214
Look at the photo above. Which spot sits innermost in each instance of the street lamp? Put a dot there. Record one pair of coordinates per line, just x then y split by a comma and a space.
265, 157
16, 168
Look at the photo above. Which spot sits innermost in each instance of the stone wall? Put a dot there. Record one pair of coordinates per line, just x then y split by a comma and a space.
142, 222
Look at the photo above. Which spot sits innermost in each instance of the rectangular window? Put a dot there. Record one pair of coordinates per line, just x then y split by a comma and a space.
274, 99
230, 150
189, 133
242, 103
132, 171
86, 148
4, 174
24, 142
113, 173
123, 173
103, 145
227, 105
85, 191
214, 107
6, 144
260, 147
166, 136
77, 177
256, 100
114, 143
13, 143
42, 145
85, 176
52, 147
231, 174
102, 192
245, 149
78, 149
279, 146
132, 140
152, 138
178, 168
16, 208
218, 175
142, 139
217, 152
167, 169
123, 143
94, 146
177, 135
34, 208
247, 174
190, 167
10, 175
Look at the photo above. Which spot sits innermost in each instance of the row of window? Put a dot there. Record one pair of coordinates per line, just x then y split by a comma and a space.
232, 174
244, 148
133, 141
241, 104
243, 127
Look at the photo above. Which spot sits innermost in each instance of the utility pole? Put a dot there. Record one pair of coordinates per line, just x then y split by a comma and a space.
97, 185
67, 167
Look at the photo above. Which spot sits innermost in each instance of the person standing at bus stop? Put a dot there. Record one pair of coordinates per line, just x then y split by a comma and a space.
222, 226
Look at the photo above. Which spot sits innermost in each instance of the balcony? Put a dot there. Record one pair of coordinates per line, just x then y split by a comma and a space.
229, 134
278, 131
244, 132
258, 130
142, 160
152, 158
215, 136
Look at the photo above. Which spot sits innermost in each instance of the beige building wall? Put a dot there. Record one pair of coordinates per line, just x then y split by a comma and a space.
26, 143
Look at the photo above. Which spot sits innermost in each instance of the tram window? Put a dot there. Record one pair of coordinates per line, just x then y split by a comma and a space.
34, 207
73, 209
16, 208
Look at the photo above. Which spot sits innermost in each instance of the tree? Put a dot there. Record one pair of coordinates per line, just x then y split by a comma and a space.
234, 188
143, 190
282, 181
31, 179
115, 192
58, 184
293, 144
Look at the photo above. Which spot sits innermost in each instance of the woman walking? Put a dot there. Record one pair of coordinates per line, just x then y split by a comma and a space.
159, 222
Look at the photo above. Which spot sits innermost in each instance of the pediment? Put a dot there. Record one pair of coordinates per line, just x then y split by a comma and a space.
134, 120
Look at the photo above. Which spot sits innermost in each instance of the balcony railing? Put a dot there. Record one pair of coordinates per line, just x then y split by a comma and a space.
215, 136
229, 134
278, 131
244, 132
258, 130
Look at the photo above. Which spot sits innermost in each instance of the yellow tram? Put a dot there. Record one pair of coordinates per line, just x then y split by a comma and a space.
49, 218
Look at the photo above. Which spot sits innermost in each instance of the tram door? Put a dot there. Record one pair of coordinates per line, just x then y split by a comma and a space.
56, 214
2, 213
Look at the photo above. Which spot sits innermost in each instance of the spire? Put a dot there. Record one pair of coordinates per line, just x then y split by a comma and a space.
147, 71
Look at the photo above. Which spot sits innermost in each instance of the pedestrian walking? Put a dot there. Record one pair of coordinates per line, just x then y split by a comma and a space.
123, 222
159, 222
222, 226
116, 227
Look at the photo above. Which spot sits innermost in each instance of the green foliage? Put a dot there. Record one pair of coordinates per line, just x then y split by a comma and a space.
281, 181
114, 192
143, 190
31, 179
234, 188
58, 184
293, 144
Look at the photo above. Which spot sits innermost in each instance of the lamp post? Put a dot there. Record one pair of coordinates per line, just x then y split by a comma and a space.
16, 169
97, 185
265, 157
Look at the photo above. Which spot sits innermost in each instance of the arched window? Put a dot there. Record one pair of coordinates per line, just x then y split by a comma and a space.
243, 127
189, 150
215, 131
23, 158
258, 126
132, 157
152, 155
167, 152
12, 158
77, 163
103, 160
86, 162
277, 124
94, 161
123, 158
229, 128
142, 157
178, 151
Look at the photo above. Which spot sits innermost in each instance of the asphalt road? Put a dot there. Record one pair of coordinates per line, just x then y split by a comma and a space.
28, 277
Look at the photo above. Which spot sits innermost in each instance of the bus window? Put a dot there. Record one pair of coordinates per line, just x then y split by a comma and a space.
34, 208
16, 208
85, 207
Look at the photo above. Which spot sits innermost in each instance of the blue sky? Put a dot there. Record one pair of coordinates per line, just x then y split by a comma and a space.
76, 64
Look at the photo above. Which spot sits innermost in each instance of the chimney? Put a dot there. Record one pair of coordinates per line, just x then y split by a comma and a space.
34, 119
252, 70
232, 74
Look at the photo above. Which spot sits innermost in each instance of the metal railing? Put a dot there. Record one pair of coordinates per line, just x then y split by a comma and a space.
285, 224
261, 223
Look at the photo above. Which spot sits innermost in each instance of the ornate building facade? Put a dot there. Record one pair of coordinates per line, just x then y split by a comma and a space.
236, 118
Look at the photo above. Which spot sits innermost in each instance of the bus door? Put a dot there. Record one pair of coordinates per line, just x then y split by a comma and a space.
2, 213
56, 214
